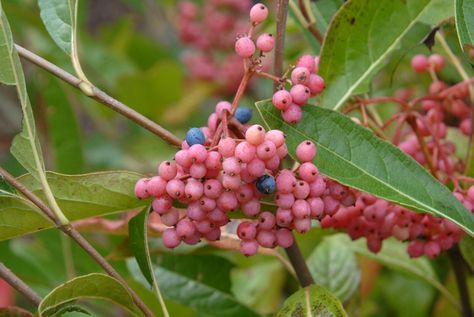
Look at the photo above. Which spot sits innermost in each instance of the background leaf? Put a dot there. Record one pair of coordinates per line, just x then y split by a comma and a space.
95, 285
363, 34
356, 157
321, 302
57, 16
14, 312
80, 197
334, 266
464, 16
467, 250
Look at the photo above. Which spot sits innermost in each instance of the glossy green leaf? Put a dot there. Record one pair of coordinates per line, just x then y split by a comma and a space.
363, 34
354, 156
137, 232
314, 301
394, 255
323, 11
58, 17
201, 282
92, 286
334, 266
464, 16
467, 250
79, 196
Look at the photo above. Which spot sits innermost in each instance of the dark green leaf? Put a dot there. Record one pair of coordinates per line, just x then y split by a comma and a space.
464, 15
79, 196
334, 266
355, 157
363, 34
318, 300
467, 250
95, 285
14, 312
137, 232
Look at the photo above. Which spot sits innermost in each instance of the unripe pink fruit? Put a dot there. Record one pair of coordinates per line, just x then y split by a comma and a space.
265, 42
282, 99
258, 13
420, 63
245, 47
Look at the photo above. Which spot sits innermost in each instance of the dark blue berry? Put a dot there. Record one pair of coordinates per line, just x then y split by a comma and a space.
266, 184
243, 114
195, 136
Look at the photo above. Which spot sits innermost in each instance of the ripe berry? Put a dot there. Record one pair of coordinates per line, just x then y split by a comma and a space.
226, 147
276, 136
175, 188
266, 150
167, 170
258, 13
292, 114
436, 61
300, 94
141, 189
255, 134
195, 136
170, 218
266, 221
247, 230
171, 238
243, 114
306, 61
316, 84
185, 228
245, 151
162, 204
265, 42
266, 238
221, 107
282, 99
300, 75
266, 184
420, 63
284, 238
245, 47
249, 247
306, 151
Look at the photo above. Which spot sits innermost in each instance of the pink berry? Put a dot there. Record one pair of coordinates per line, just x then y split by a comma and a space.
282, 99
374, 244
256, 167
282, 151
251, 208
141, 189
247, 230
301, 209
170, 238
316, 64
317, 207
213, 160
301, 190
212, 188
245, 193
198, 170
218, 216
292, 114
185, 228
162, 204
258, 13
266, 221
198, 153
306, 151
265, 42
316, 84
167, 170
317, 188
207, 204
183, 158
221, 107
308, 172
285, 182
285, 201
420, 63
248, 248
284, 217
194, 189
227, 201
432, 249
300, 94
204, 226
245, 151
300, 75
437, 62
306, 61
266, 238
284, 238
170, 218
275, 136
266, 150
213, 235
226, 147
273, 163
416, 248
212, 122
255, 134
245, 47
231, 182
195, 212
231, 166
302, 225
175, 188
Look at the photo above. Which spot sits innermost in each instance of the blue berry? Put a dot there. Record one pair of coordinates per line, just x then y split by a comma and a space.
243, 114
266, 184
195, 136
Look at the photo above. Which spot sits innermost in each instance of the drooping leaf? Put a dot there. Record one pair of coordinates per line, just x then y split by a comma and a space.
79, 196
467, 250
395, 256
334, 266
95, 286
318, 300
58, 17
14, 312
464, 16
25, 147
364, 33
201, 282
354, 156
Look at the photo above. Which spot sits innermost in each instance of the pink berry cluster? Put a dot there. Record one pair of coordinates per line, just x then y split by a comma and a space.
305, 83
422, 63
208, 30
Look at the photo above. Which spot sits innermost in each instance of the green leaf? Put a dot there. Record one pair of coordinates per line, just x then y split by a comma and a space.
137, 232
318, 300
334, 266
464, 16
14, 312
201, 282
323, 11
58, 17
467, 250
363, 34
95, 285
79, 196
395, 256
354, 156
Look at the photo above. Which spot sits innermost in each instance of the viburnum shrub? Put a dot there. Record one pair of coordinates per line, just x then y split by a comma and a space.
353, 152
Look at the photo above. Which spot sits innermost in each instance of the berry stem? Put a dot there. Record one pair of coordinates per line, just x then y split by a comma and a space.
299, 264
100, 96
77, 237
310, 21
18, 284
412, 122
459, 271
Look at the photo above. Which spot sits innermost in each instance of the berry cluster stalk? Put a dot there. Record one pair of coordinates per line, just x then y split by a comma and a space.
19, 285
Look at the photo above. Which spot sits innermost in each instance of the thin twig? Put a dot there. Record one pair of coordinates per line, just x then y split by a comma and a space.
459, 271
19, 285
100, 96
77, 237
299, 264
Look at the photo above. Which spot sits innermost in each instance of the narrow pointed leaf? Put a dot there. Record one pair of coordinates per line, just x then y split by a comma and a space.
464, 16
354, 156
318, 300
92, 286
364, 33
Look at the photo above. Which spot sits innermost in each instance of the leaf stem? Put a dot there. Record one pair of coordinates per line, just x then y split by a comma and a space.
19, 285
100, 96
459, 272
77, 237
